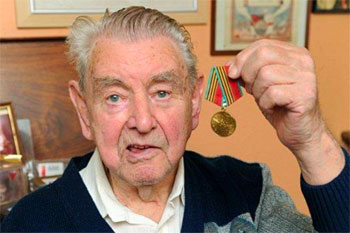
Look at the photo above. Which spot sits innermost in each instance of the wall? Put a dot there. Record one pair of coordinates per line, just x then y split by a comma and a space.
34, 77
255, 139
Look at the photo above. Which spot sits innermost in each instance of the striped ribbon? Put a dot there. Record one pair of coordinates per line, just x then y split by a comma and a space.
222, 90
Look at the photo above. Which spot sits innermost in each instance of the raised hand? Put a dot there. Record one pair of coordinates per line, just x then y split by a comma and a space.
282, 79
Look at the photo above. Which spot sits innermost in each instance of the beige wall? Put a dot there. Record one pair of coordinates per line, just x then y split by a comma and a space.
255, 139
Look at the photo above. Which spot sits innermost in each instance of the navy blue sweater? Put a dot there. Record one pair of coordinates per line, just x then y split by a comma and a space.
216, 190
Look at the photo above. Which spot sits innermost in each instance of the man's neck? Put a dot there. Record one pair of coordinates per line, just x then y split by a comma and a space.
148, 200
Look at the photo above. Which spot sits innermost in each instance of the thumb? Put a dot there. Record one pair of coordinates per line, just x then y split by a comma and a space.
233, 70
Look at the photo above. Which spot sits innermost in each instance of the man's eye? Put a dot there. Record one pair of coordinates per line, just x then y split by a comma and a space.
114, 98
162, 94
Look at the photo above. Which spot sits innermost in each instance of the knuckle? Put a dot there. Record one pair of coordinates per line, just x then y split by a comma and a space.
263, 105
263, 42
311, 76
305, 51
273, 92
263, 52
306, 58
308, 61
265, 72
310, 91
302, 108
239, 58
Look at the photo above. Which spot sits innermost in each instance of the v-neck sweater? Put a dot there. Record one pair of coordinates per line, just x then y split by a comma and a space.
222, 194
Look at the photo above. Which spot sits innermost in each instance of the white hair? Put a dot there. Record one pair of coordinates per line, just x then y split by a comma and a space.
128, 24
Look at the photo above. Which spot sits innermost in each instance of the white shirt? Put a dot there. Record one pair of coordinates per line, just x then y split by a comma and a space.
122, 219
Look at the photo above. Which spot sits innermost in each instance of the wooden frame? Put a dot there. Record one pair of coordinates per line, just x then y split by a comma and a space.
331, 6
27, 19
9, 140
231, 31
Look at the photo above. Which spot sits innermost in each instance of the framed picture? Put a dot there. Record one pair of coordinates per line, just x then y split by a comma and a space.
331, 6
9, 142
238, 23
49, 14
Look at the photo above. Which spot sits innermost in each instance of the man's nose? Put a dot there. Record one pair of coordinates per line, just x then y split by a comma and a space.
141, 115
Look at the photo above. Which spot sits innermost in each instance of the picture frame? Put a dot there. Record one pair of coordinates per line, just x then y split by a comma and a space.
9, 139
56, 14
331, 6
235, 24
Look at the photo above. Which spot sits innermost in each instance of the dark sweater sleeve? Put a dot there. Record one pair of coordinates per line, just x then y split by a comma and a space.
329, 203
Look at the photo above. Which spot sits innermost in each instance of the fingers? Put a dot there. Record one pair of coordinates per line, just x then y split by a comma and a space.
276, 96
260, 58
279, 85
265, 53
272, 75
282, 79
243, 55
297, 98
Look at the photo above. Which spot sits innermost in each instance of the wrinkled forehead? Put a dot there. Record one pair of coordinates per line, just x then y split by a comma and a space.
141, 59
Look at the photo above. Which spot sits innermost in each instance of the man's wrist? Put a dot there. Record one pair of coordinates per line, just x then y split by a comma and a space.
329, 203
321, 162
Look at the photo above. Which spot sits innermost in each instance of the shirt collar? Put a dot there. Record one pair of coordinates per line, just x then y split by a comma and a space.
179, 187
96, 181
89, 175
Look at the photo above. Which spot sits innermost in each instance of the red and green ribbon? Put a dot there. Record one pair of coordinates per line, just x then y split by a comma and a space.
222, 90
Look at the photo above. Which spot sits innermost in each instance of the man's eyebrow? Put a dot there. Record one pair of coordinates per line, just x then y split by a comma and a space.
101, 82
167, 77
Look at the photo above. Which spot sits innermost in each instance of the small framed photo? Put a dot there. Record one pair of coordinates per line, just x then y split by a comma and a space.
331, 6
9, 141
238, 23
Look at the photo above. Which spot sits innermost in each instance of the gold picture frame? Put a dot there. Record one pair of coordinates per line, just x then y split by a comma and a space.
9, 140
29, 17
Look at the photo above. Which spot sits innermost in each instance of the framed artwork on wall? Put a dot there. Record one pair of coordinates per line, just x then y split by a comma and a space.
238, 23
9, 140
331, 6
51, 14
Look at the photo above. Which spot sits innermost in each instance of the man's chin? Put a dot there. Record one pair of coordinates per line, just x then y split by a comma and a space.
145, 176
143, 181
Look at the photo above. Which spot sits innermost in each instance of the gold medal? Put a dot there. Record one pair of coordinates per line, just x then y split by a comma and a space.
223, 124
222, 91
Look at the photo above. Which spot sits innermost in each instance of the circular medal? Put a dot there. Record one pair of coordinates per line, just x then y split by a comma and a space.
223, 124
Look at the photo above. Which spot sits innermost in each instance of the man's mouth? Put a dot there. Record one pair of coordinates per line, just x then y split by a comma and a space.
137, 152
141, 152
138, 148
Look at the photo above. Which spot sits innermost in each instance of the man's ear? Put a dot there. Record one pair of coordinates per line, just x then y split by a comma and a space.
197, 101
81, 108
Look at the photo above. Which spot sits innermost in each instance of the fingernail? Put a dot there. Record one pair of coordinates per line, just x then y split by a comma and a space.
229, 63
232, 72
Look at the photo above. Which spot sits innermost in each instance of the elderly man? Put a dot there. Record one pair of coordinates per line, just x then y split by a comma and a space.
139, 98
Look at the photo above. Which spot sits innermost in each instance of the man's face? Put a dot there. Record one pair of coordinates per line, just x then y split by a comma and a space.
140, 109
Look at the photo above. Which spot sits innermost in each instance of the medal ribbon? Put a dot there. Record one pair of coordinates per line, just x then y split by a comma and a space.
222, 90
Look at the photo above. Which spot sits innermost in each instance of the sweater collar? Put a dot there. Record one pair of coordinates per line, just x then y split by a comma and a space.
207, 197
76, 199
